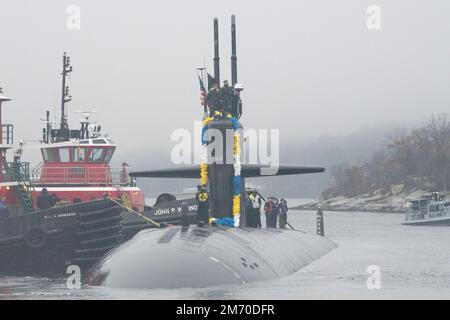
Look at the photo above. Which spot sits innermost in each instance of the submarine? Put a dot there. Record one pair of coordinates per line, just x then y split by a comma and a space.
209, 254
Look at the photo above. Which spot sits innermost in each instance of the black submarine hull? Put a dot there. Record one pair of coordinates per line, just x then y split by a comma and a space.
198, 257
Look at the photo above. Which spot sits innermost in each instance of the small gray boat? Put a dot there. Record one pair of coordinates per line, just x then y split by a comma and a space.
427, 212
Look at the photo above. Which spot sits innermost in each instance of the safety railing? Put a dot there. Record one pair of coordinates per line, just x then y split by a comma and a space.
37, 170
104, 176
17, 172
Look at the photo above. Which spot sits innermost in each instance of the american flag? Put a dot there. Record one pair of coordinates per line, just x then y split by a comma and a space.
203, 98
202, 92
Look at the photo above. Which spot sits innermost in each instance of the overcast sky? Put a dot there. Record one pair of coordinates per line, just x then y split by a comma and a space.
309, 67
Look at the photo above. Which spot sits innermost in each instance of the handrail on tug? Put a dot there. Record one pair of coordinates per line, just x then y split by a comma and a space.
79, 174
37, 171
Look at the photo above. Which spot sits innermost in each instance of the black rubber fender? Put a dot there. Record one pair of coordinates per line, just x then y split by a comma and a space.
36, 238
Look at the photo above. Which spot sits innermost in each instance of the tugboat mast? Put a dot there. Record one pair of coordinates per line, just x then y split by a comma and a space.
65, 97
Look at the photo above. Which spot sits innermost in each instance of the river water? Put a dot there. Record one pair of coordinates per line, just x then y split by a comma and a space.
413, 263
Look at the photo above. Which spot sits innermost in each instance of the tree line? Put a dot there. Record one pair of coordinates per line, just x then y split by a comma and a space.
418, 158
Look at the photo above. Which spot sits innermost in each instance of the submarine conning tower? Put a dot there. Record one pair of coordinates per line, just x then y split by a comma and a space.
220, 143
221, 170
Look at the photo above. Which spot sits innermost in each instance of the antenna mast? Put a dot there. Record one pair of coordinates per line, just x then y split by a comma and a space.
233, 51
216, 52
65, 95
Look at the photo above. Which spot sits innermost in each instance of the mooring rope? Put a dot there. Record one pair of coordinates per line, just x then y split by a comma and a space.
137, 213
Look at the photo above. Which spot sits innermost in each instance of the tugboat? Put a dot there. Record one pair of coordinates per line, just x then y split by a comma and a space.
427, 212
75, 167
75, 163
37, 241
94, 209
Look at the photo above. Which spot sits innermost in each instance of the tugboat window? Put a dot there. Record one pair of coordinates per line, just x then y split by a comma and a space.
96, 155
79, 154
50, 155
108, 155
64, 155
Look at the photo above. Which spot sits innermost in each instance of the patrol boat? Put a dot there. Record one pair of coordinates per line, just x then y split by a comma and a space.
204, 255
429, 211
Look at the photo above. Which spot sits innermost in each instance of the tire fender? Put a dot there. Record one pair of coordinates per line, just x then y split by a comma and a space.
36, 238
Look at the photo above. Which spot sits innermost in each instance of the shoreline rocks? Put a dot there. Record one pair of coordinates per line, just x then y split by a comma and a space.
393, 201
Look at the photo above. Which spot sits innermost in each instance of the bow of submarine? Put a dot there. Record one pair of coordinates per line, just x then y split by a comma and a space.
199, 257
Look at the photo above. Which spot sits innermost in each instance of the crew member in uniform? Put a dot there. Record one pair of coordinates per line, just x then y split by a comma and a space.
271, 209
203, 204
254, 211
248, 211
227, 97
213, 99
283, 214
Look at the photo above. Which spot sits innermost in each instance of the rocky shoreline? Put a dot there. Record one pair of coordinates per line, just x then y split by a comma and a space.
393, 201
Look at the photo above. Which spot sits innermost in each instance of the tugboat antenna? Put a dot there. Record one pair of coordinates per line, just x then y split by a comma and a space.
65, 96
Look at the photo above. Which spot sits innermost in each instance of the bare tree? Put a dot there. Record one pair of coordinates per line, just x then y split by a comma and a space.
418, 158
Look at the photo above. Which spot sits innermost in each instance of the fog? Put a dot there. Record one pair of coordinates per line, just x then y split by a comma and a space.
312, 69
